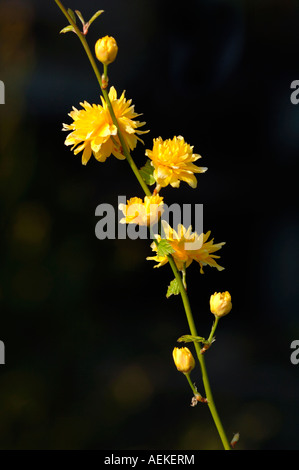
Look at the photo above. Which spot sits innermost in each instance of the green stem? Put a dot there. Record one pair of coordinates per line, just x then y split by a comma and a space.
125, 149
184, 277
210, 338
105, 67
201, 358
147, 191
194, 390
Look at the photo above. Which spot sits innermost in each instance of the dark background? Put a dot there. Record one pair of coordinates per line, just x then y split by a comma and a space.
87, 328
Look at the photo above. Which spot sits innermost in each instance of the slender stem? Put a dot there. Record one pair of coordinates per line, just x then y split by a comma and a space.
210, 338
184, 277
201, 359
124, 146
105, 72
147, 191
191, 384
185, 299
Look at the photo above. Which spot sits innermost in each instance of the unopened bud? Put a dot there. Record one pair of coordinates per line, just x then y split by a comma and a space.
235, 439
183, 360
220, 303
106, 50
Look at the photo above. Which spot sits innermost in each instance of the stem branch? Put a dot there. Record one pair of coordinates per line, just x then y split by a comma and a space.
210, 338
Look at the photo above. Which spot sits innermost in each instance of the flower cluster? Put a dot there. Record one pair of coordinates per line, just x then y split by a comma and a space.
93, 131
96, 131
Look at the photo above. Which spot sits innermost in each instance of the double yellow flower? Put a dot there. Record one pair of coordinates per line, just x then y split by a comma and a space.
173, 162
93, 131
142, 212
188, 246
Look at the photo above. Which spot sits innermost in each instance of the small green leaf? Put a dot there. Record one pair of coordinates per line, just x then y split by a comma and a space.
147, 173
79, 14
191, 339
173, 288
72, 15
67, 29
95, 16
164, 248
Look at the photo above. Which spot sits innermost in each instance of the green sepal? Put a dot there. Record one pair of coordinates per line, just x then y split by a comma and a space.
191, 339
173, 288
164, 248
147, 173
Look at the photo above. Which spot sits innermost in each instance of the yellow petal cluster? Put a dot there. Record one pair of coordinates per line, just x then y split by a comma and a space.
142, 212
183, 359
188, 246
106, 50
172, 160
93, 131
220, 303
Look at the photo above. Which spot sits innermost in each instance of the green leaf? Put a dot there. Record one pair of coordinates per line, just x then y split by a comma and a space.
72, 15
95, 16
67, 29
147, 173
79, 14
191, 339
173, 288
164, 248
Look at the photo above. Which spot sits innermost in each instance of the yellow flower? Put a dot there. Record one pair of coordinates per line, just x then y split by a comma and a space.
183, 360
106, 50
220, 303
188, 246
140, 212
173, 162
93, 131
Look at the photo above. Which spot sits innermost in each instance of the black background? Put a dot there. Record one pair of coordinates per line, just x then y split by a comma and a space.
87, 328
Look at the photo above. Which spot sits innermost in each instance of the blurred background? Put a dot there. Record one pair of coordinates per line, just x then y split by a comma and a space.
88, 331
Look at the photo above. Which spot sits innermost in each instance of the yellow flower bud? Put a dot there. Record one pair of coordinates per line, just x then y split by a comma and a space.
106, 50
183, 360
220, 303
